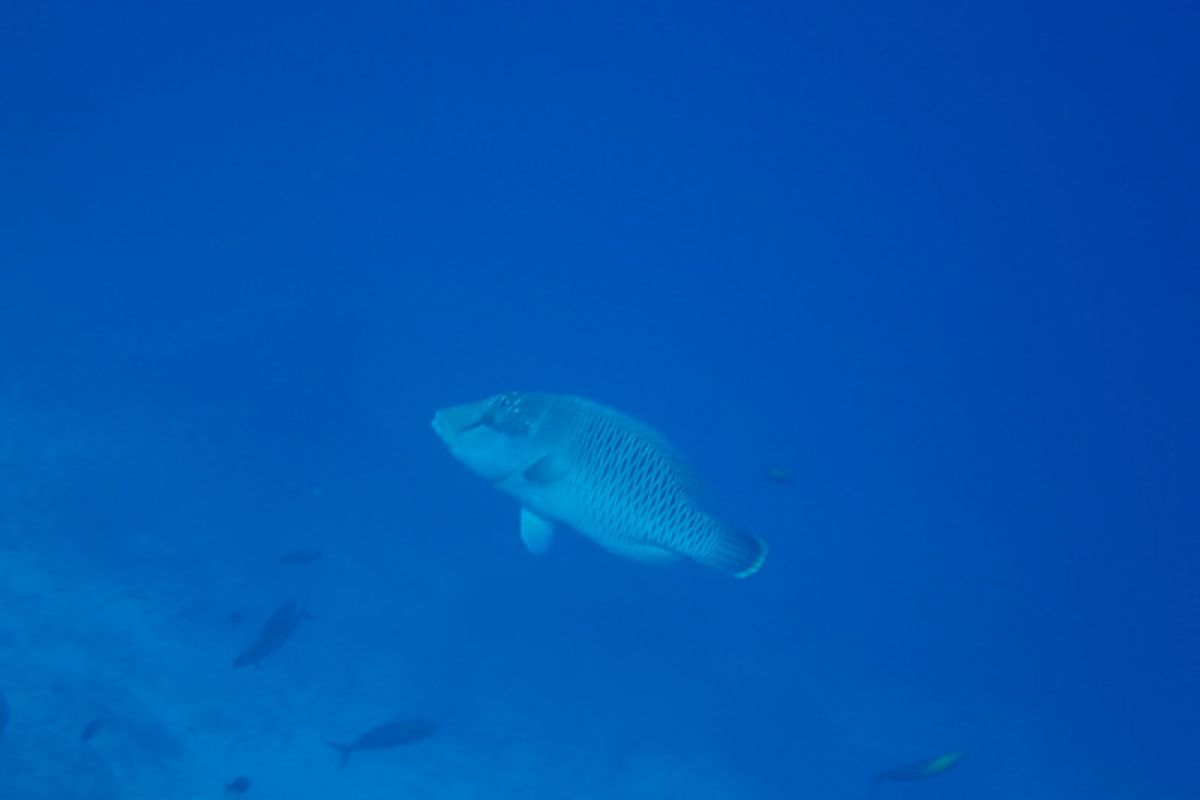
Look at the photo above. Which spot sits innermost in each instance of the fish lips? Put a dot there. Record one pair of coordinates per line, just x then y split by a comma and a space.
452, 422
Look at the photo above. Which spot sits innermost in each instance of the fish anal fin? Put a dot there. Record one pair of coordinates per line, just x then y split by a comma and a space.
536, 532
645, 553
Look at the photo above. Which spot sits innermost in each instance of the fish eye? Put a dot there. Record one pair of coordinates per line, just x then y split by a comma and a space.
507, 414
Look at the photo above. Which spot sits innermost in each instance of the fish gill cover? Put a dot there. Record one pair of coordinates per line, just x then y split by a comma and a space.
912, 291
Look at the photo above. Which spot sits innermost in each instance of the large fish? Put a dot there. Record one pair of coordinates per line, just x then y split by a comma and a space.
391, 734
275, 631
608, 476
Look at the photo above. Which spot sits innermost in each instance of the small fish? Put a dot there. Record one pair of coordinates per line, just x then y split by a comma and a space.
779, 475
608, 476
920, 770
91, 729
238, 785
391, 734
300, 557
275, 631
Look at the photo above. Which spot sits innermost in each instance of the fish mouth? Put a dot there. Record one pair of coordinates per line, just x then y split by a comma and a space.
452, 422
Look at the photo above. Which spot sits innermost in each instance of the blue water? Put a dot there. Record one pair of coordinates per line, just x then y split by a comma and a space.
938, 263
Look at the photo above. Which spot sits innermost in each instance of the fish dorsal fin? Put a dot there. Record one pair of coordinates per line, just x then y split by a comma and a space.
536, 532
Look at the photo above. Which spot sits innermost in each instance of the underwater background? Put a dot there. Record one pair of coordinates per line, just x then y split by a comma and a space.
914, 287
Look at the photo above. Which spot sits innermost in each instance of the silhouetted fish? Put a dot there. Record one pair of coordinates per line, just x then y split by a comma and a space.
91, 729
391, 734
300, 557
238, 785
275, 631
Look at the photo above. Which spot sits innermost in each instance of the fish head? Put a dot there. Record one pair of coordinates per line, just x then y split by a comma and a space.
497, 437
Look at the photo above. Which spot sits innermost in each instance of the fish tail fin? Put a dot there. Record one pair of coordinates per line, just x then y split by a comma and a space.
736, 553
344, 752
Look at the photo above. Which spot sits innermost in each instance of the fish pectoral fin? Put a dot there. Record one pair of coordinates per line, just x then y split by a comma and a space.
536, 532
545, 471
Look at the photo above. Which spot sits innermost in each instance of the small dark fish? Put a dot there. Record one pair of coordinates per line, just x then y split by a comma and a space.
391, 734
91, 729
300, 557
238, 785
275, 631
920, 770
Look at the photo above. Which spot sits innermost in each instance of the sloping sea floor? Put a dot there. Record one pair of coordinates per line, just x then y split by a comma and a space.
134, 570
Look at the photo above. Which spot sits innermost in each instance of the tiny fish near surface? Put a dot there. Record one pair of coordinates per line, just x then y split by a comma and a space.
388, 735
298, 558
608, 476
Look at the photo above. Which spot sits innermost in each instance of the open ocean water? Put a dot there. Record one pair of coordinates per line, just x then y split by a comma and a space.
914, 289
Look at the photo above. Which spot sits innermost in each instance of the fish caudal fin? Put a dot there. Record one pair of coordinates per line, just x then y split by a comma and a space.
737, 554
344, 751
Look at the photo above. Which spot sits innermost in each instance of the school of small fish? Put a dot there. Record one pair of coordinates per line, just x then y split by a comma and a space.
277, 630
